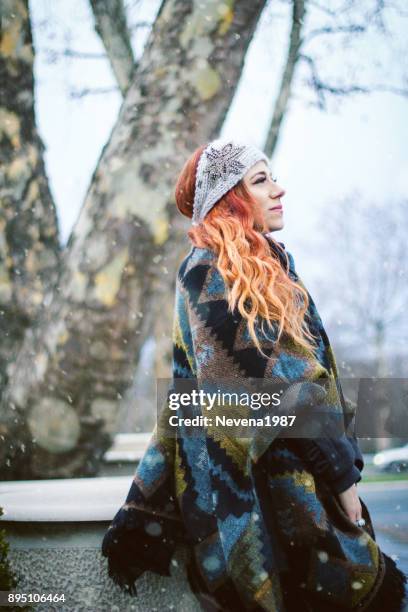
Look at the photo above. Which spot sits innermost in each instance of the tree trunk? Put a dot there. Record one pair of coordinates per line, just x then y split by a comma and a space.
111, 26
29, 242
381, 373
281, 104
74, 367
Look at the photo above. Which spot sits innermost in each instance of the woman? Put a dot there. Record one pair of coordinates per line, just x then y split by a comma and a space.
271, 522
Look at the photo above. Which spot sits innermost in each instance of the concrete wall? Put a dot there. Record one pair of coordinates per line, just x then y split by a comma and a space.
55, 529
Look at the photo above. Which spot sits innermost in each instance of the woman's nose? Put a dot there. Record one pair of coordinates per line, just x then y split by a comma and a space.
277, 191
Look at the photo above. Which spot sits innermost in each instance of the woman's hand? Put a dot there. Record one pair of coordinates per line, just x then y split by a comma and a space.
351, 504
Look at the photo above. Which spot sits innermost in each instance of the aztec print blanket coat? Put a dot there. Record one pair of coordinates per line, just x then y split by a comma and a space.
261, 517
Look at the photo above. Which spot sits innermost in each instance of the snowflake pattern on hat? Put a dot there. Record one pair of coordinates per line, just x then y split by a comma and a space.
224, 162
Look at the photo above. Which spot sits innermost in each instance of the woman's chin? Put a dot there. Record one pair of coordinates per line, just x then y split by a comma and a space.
274, 226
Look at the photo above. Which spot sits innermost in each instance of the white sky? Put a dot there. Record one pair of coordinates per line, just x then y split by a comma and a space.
359, 145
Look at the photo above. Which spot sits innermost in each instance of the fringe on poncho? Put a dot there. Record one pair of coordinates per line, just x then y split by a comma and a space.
264, 530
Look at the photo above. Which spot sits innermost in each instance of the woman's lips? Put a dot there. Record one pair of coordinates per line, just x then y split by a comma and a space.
277, 208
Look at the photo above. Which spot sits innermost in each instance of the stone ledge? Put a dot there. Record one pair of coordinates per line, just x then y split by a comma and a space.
64, 499
55, 530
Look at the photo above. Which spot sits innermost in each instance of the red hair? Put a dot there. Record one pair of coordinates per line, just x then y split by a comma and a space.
255, 280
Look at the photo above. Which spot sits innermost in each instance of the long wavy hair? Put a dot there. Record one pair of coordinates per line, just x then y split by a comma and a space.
256, 282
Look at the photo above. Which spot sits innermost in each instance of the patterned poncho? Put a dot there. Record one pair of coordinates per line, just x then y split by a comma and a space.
260, 517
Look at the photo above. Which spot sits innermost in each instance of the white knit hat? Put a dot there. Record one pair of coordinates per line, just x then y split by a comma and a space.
222, 165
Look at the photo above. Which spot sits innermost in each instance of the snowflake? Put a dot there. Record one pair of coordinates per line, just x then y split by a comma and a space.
224, 162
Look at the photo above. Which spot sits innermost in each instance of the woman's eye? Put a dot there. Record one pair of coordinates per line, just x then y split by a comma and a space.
263, 179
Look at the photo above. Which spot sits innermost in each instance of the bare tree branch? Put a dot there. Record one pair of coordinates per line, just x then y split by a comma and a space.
53, 55
298, 14
351, 29
77, 94
111, 25
140, 25
321, 87
331, 12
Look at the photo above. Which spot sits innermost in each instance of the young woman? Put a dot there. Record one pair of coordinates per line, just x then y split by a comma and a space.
271, 522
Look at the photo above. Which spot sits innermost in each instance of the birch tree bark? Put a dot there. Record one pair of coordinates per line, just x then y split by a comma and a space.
29, 242
73, 368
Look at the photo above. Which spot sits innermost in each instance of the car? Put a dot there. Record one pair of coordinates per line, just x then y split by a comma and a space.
392, 460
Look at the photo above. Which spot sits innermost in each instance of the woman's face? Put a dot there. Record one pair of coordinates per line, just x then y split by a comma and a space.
267, 193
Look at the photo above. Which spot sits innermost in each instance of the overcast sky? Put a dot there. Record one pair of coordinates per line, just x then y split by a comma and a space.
359, 145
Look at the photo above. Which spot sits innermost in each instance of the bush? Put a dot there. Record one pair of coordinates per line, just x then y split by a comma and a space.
8, 581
